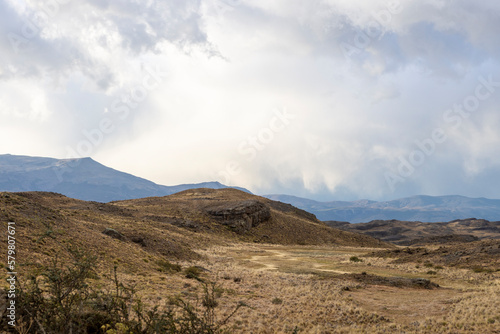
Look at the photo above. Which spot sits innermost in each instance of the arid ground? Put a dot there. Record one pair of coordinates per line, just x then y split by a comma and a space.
293, 273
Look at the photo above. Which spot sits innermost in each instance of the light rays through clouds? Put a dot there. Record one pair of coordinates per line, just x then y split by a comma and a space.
323, 99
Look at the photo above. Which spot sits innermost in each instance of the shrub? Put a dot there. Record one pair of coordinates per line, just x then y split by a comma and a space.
192, 272
355, 259
479, 269
167, 267
58, 298
431, 272
277, 301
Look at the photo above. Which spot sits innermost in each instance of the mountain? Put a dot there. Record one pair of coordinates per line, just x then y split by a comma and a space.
82, 178
408, 233
415, 208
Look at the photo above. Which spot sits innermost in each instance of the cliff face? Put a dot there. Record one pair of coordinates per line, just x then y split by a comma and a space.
240, 216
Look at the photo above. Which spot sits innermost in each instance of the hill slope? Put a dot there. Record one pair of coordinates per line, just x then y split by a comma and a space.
250, 217
416, 208
173, 227
83, 179
414, 232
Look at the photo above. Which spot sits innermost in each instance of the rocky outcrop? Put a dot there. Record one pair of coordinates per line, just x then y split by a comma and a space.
441, 239
113, 234
240, 216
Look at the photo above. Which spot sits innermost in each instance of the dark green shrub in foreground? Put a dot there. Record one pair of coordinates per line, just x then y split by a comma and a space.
61, 298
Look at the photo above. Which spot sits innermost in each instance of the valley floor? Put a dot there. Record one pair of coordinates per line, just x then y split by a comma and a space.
308, 289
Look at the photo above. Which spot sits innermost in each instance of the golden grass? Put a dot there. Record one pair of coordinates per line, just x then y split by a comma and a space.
315, 302
290, 288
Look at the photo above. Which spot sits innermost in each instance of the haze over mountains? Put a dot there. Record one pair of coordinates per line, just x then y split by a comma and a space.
415, 208
89, 180
82, 178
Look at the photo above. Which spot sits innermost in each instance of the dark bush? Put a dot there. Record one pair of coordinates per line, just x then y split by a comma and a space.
62, 298
277, 301
192, 272
165, 266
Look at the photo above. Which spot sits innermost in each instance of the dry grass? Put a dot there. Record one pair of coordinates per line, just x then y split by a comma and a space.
290, 288
317, 301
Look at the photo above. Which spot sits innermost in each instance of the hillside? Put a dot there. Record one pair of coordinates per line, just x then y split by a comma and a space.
415, 208
250, 217
83, 179
414, 232
481, 256
231, 248
173, 227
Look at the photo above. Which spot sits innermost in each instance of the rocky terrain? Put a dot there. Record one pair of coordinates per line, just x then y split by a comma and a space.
236, 214
479, 255
259, 266
418, 233
166, 226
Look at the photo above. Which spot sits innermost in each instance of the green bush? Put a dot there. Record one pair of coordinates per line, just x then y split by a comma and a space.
60, 298
355, 259
167, 267
192, 272
277, 301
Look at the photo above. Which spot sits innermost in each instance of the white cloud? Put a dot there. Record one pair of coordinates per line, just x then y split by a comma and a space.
228, 64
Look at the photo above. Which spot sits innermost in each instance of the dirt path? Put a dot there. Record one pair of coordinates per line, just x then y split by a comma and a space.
275, 259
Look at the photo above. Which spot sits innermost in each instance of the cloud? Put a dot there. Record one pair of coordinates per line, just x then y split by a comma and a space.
187, 86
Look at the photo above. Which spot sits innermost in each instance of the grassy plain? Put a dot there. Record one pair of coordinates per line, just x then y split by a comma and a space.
311, 289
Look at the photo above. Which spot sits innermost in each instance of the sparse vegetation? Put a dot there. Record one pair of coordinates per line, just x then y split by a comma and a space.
60, 298
166, 266
277, 301
291, 288
192, 272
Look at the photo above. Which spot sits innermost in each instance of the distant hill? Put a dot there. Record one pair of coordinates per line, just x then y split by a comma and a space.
408, 233
82, 178
416, 208
174, 225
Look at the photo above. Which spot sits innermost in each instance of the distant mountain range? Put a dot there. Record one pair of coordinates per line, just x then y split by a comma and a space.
415, 208
82, 178
89, 180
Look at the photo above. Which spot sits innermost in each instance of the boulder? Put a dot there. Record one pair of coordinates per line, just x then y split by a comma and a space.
240, 216
113, 234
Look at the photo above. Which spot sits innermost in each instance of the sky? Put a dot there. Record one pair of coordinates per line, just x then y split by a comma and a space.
325, 99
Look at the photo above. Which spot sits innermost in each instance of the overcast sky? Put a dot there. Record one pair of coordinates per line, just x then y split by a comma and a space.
332, 100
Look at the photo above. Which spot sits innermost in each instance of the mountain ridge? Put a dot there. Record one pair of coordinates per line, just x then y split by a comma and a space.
415, 208
82, 178
87, 179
